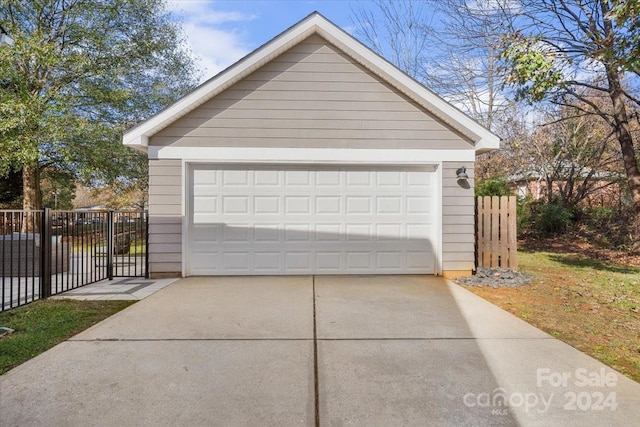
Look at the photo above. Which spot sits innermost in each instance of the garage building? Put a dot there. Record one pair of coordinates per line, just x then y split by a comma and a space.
311, 155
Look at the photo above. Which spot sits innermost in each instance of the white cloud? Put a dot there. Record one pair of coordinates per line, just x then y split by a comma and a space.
212, 43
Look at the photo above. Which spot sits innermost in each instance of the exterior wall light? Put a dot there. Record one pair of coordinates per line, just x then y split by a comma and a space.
461, 173
5, 39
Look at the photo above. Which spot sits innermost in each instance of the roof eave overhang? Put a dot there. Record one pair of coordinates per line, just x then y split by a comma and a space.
487, 144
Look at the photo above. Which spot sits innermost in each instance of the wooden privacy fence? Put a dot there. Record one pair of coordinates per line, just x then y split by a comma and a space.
496, 239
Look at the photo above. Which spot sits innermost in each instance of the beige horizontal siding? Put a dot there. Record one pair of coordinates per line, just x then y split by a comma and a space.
167, 200
173, 247
462, 247
165, 217
310, 96
461, 217
161, 257
165, 237
458, 219
463, 230
454, 238
309, 142
224, 133
170, 171
170, 269
463, 266
314, 123
164, 189
202, 114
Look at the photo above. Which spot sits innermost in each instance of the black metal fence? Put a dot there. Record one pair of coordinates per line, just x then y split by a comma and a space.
48, 252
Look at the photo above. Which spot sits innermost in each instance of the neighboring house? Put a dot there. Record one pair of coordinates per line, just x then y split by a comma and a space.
603, 189
311, 155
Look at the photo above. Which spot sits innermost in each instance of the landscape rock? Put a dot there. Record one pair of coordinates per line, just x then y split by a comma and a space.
496, 277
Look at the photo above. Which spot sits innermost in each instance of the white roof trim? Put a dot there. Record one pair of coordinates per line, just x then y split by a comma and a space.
280, 155
484, 140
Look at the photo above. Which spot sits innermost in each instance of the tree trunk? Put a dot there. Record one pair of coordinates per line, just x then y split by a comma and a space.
622, 131
32, 197
626, 147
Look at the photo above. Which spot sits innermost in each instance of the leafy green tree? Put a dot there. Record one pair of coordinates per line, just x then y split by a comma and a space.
79, 73
58, 189
567, 51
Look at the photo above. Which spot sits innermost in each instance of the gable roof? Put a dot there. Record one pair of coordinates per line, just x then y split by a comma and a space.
483, 139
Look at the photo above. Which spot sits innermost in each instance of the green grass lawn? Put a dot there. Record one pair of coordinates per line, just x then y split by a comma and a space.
43, 324
591, 304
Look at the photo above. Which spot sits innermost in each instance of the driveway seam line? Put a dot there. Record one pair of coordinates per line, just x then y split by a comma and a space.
315, 356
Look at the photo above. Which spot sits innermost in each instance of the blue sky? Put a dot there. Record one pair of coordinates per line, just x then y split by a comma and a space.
221, 32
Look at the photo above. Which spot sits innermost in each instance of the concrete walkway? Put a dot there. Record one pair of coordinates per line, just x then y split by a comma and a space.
330, 351
120, 288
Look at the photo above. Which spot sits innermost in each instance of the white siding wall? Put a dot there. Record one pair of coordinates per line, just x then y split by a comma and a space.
165, 218
458, 219
310, 96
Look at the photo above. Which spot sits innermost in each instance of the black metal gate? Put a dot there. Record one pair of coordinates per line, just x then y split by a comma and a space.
48, 252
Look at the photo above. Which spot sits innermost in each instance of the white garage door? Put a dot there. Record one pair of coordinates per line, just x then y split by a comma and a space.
259, 220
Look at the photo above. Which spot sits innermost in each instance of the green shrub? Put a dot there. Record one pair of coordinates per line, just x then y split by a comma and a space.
540, 219
608, 227
601, 215
493, 187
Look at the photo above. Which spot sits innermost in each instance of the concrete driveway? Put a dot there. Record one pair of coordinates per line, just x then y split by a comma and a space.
330, 351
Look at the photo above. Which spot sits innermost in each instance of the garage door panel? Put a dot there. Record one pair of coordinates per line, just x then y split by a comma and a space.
236, 178
389, 260
329, 178
204, 235
267, 233
418, 205
328, 205
239, 233
205, 205
267, 178
331, 220
267, 261
358, 205
358, 260
389, 205
297, 233
389, 179
389, 232
266, 205
419, 231
299, 261
328, 233
419, 180
236, 261
297, 178
359, 179
415, 259
297, 205
329, 261
233, 205
205, 178
359, 232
